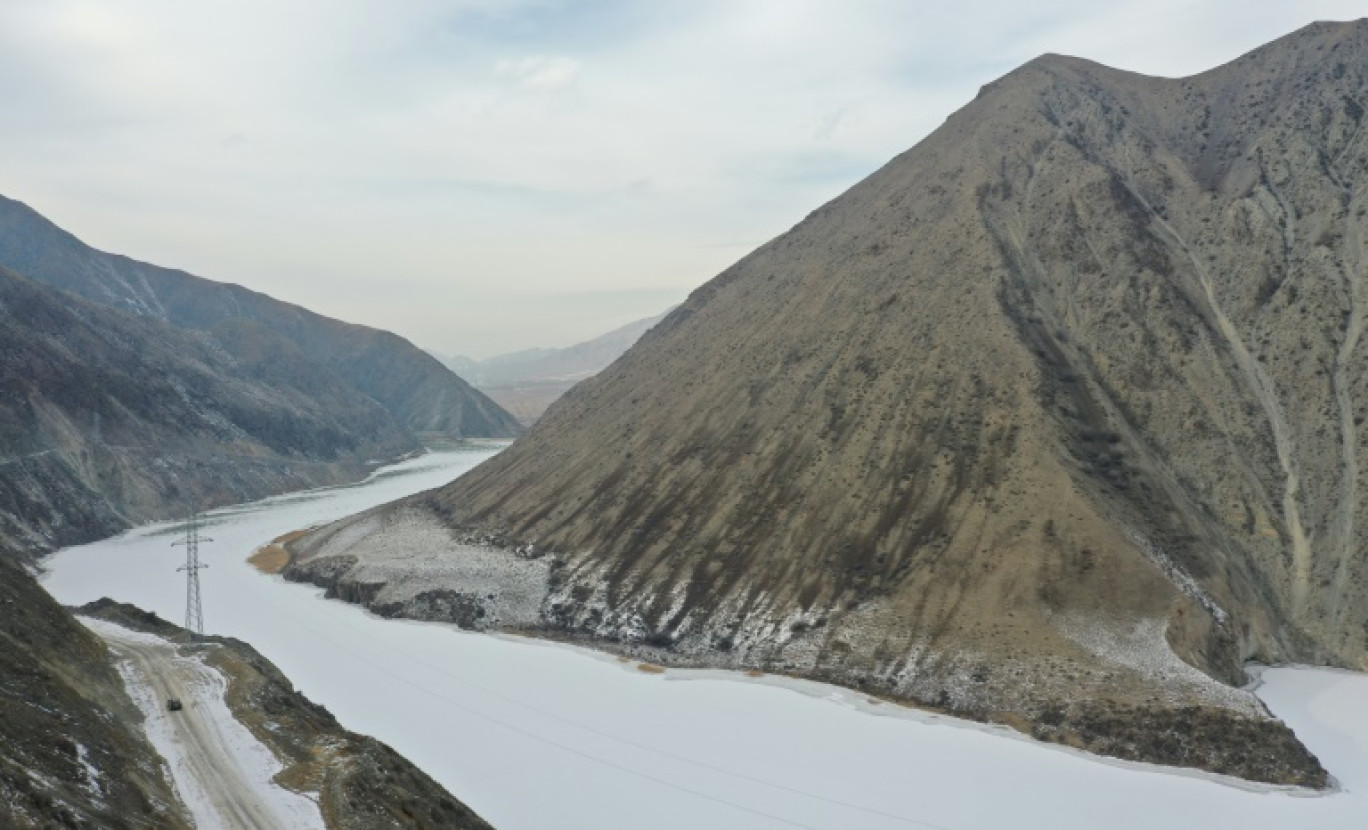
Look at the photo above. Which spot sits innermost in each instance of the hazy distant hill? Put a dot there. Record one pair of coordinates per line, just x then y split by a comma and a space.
421, 394
109, 418
1071, 390
527, 382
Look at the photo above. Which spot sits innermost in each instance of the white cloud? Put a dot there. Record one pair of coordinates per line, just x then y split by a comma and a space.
539, 72
426, 165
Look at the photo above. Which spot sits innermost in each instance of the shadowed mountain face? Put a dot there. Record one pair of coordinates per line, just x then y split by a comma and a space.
108, 418
1070, 390
73, 754
422, 395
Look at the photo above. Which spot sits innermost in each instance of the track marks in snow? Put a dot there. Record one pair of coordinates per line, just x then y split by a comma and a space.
221, 772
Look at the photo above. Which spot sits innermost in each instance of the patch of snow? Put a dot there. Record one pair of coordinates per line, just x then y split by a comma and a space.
1142, 646
1175, 574
92, 775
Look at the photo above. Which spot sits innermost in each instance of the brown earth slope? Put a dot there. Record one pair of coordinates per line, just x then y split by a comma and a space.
1071, 389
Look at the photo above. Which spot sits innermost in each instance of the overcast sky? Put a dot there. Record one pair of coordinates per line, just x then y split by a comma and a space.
488, 175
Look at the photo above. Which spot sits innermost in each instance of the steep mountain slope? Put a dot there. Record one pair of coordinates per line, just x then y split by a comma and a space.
1070, 390
414, 387
108, 418
527, 382
68, 754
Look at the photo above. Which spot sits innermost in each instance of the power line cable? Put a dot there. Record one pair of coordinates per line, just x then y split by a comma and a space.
545, 740
648, 748
603, 734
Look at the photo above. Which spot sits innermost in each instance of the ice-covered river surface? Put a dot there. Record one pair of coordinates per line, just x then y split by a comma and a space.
547, 737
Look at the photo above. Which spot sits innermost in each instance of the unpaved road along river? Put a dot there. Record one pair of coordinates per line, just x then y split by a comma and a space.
220, 770
534, 735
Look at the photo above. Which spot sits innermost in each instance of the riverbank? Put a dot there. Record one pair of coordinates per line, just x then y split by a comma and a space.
402, 560
604, 745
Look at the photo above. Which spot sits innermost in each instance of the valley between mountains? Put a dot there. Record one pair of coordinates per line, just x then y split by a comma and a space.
1053, 427
130, 391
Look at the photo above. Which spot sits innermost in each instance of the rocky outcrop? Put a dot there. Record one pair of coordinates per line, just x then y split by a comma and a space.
1056, 420
71, 754
407, 563
416, 390
109, 418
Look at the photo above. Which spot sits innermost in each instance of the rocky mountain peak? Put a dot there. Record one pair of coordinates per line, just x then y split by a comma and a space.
1056, 419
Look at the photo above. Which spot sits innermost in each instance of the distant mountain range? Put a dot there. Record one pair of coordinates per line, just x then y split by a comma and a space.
129, 391
527, 382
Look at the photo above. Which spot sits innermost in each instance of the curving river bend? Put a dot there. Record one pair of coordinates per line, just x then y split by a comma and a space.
535, 736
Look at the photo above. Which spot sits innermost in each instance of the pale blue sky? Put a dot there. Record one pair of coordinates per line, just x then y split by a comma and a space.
483, 176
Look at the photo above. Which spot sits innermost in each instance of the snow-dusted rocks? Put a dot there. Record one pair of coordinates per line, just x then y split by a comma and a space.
407, 563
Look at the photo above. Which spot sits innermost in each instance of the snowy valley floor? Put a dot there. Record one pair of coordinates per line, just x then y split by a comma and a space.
535, 735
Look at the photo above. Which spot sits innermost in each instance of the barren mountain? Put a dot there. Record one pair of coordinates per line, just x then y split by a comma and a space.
1055, 420
421, 394
109, 418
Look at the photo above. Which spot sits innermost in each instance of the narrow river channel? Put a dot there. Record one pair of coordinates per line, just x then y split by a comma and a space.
537, 736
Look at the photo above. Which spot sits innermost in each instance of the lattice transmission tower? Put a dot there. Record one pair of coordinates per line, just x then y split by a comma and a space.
194, 612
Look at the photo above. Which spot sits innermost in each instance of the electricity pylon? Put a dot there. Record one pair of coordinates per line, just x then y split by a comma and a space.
194, 613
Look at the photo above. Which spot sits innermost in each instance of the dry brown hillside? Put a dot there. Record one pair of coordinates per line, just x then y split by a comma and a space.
1067, 392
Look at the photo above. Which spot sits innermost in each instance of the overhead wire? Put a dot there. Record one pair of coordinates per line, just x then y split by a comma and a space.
607, 735
652, 749
545, 740
572, 750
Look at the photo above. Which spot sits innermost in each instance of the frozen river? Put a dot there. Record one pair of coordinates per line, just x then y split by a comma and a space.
536, 736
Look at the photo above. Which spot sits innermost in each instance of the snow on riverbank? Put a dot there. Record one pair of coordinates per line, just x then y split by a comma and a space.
222, 773
535, 735
1328, 709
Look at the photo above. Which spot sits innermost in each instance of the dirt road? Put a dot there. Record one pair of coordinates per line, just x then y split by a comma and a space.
221, 771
